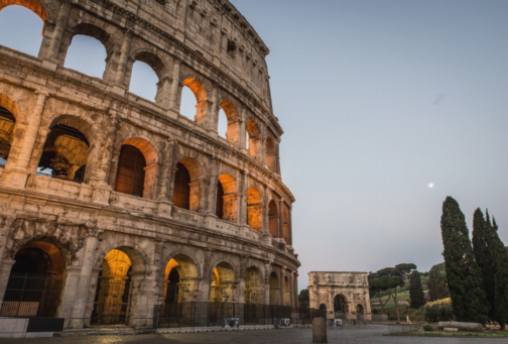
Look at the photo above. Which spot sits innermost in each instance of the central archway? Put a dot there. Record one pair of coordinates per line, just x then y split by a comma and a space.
340, 306
115, 288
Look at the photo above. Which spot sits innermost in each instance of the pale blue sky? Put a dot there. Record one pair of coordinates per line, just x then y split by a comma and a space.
378, 98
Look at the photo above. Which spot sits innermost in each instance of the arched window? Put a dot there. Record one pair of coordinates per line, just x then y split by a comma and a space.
254, 209
222, 284
253, 287
87, 51
181, 192
273, 219
7, 123
271, 155
144, 81
223, 124
286, 224
130, 177
253, 135
180, 277
65, 153
27, 23
227, 207
287, 292
194, 100
229, 124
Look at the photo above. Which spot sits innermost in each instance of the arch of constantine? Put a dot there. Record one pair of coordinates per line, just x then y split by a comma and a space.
112, 205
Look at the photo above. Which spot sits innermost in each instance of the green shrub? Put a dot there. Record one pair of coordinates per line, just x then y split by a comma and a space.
427, 328
437, 313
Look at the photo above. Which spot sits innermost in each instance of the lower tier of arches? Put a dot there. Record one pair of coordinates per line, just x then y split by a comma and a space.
93, 277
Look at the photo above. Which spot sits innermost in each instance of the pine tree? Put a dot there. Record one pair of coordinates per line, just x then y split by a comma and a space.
485, 258
416, 295
464, 277
501, 273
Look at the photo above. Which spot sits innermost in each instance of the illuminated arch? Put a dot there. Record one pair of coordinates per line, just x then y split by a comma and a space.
253, 138
271, 154
227, 207
254, 209
273, 219
274, 289
232, 123
33, 5
137, 168
254, 290
201, 99
180, 280
138, 72
222, 283
186, 189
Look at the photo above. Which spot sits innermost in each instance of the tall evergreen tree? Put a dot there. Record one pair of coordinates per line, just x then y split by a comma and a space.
464, 277
485, 258
438, 284
501, 274
416, 295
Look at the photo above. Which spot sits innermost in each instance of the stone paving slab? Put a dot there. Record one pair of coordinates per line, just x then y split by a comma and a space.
359, 335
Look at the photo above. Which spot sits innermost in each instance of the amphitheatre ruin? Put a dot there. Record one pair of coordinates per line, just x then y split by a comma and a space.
113, 207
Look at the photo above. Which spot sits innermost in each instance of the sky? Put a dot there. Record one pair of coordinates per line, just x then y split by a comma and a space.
388, 106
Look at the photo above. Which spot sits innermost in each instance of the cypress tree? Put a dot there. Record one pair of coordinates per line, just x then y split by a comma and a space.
416, 295
501, 274
485, 258
464, 277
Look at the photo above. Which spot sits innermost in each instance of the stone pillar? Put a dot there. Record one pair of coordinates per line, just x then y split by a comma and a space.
17, 169
143, 299
242, 209
213, 179
52, 35
261, 154
117, 73
164, 89
69, 295
242, 141
175, 90
163, 182
207, 113
81, 292
266, 218
5, 273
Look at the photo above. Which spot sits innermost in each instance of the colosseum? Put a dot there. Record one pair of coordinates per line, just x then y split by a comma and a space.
115, 209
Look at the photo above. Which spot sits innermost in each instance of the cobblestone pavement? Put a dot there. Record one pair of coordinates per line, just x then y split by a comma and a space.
359, 335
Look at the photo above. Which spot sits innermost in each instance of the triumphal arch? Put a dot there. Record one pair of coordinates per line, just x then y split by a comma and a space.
341, 295
114, 207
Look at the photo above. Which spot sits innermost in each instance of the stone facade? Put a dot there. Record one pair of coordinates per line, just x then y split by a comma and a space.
72, 190
343, 294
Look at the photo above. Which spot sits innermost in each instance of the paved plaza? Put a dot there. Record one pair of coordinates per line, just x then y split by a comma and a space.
356, 335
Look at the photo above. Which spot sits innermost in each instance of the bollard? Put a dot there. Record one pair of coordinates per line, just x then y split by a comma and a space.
319, 330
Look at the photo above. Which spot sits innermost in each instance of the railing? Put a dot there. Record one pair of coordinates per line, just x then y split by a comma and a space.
193, 314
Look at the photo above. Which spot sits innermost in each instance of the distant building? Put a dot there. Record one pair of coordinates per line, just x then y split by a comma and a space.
343, 295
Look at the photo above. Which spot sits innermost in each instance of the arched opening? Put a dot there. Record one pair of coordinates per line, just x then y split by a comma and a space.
229, 124
273, 219
186, 188
179, 289
254, 291
7, 124
220, 201
27, 17
130, 177
254, 209
253, 136
65, 152
115, 287
137, 168
287, 292
181, 192
340, 306
271, 155
35, 282
226, 198
360, 312
144, 80
222, 284
87, 51
274, 289
286, 224
193, 101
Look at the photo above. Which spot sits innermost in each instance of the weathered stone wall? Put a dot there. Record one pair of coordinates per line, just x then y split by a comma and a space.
352, 287
206, 45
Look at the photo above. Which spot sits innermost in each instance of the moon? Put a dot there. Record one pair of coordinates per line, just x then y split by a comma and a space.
431, 185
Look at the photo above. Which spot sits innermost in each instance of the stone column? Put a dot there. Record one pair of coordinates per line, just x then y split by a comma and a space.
242, 209
81, 292
175, 91
143, 299
242, 141
52, 36
69, 295
165, 165
164, 89
266, 218
212, 189
17, 169
5, 273
117, 73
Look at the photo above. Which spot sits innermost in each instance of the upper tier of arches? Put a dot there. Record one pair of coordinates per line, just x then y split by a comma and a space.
127, 61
